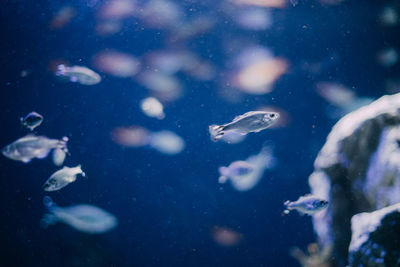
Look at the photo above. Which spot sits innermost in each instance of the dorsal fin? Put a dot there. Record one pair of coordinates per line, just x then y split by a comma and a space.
245, 115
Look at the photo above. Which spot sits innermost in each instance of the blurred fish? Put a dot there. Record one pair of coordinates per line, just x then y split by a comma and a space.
388, 57
31, 146
307, 204
58, 156
251, 172
62, 178
236, 168
253, 121
152, 108
166, 142
225, 236
389, 16
78, 74
62, 17
85, 218
116, 63
133, 136
32, 120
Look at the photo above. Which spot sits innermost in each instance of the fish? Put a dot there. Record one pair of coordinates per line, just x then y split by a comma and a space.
32, 120
79, 74
31, 146
253, 121
152, 108
235, 169
84, 218
167, 142
58, 156
308, 204
245, 175
62, 178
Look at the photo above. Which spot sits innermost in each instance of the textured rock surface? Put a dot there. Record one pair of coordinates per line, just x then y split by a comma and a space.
356, 170
375, 240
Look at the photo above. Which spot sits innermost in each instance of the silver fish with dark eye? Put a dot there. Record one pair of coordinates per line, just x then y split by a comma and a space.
307, 204
62, 178
253, 121
78, 74
31, 146
32, 120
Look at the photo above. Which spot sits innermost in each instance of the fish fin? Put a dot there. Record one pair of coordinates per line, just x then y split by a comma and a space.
26, 160
223, 170
222, 179
48, 202
73, 79
48, 219
286, 202
242, 116
301, 213
216, 132
43, 154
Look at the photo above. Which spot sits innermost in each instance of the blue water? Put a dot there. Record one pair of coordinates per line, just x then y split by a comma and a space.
166, 205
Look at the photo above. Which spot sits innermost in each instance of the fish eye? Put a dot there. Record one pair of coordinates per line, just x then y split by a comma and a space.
272, 115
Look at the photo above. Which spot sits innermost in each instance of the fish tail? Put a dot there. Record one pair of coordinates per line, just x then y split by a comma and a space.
63, 145
216, 132
82, 172
60, 70
285, 212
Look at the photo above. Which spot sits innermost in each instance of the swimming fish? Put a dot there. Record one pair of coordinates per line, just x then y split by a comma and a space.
307, 204
253, 121
235, 169
85, 218
32, 120
78, 74
31, 146
248, 173
62, 178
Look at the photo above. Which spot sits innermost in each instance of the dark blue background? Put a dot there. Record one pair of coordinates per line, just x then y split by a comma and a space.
168, 205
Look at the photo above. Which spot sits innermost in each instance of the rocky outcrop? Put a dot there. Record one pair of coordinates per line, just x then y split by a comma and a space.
375, 240
357, 171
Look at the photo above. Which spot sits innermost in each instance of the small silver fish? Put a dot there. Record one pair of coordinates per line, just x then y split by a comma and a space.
32, 120
31, 146
62, 178
307, 204
235, 169
253, 121
78, 74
